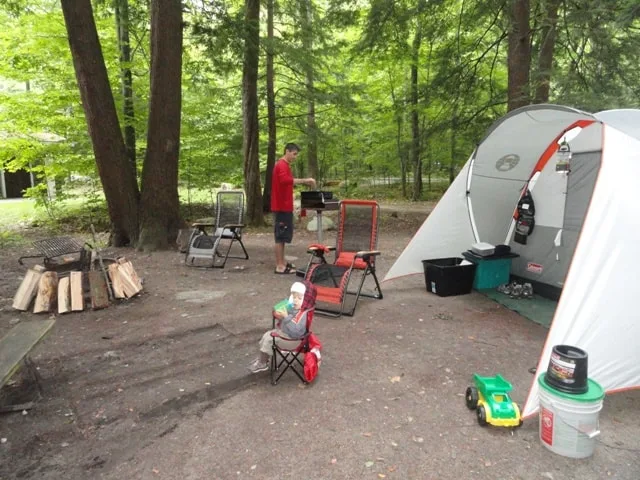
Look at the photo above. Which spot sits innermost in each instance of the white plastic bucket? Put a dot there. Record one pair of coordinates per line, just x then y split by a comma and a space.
569, 424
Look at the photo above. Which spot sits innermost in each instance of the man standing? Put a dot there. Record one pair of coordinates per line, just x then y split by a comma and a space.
282, 183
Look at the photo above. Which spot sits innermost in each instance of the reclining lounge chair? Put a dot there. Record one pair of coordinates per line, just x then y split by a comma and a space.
226, 230
355, 255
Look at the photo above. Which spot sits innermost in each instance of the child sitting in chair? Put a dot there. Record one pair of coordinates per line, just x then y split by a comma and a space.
291, 324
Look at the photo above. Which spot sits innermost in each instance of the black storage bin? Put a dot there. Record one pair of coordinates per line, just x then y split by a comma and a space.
446, 277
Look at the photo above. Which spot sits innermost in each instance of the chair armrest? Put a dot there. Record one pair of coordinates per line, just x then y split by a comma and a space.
319, 250
199, 224
367, 253
233, 226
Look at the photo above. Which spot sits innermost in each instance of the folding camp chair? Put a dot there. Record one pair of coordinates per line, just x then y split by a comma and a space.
227, 230
292, 358
355, 254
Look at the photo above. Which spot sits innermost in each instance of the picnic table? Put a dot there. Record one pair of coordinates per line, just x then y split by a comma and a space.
15, 348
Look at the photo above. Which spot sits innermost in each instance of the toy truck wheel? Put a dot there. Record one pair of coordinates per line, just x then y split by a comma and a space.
481, 413
471, 398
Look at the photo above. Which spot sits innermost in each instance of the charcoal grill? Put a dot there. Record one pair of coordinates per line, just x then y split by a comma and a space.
319, 201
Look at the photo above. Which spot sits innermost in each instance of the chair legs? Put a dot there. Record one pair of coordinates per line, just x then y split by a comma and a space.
377, 294
213, 253
226, 255
283, 360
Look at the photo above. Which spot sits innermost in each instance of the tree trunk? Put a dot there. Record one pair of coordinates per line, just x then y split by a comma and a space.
117, 177
397, 108
250, 112
401, 155
312, 132
455, 108
415, 118
454, 139
547, 45
519, 55
306, 16
271, 111
122, 24
160, 213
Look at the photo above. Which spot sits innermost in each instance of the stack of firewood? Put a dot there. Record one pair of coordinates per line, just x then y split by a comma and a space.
49, 292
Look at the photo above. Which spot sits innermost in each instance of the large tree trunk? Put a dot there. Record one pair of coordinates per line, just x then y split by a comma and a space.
250, 112
519, 55
271, 111
122, 24
117, 176
160, 213
415, 118
398, 113
306, 16
547, 45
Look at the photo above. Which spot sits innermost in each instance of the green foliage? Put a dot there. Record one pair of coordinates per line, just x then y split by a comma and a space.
15, 212
385, 190
9, 238
360, 54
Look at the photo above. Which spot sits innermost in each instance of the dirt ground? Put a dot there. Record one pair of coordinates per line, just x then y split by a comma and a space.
157, 388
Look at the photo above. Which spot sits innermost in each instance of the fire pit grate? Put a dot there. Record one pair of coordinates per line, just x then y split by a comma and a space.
57, 246
51, 248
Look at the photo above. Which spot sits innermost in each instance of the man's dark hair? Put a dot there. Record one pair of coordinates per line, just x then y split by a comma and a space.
291, 147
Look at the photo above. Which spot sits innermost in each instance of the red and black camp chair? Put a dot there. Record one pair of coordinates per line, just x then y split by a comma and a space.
292, 356
355, 256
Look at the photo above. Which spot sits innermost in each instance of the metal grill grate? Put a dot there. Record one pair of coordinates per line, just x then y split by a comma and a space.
54, 247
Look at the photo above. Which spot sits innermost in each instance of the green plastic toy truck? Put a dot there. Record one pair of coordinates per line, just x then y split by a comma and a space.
490, 399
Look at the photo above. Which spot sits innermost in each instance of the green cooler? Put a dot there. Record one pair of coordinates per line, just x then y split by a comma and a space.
491, 271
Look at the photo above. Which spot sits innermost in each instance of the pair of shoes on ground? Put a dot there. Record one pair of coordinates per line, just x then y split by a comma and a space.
258, 366
288, 269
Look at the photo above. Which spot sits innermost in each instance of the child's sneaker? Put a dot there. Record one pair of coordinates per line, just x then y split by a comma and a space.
257, 366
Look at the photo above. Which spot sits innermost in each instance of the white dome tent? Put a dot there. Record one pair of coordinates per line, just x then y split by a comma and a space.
586, 230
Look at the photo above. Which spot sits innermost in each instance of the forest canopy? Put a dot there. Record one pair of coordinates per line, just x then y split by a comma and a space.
370, 89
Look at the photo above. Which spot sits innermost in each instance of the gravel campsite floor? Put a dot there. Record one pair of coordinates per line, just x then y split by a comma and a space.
156, 387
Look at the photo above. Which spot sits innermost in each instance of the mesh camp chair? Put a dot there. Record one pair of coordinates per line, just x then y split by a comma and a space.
225, 232
291, 357
355, 255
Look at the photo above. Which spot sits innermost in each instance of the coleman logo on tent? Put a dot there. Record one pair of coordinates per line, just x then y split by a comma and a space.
534, 267
507, 162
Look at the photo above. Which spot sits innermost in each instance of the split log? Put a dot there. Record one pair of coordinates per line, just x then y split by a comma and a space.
28, 288
47, 293
98, 288
64, 298
77, 296
131, 283
116, 282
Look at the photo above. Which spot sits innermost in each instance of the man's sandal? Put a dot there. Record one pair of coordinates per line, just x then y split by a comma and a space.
288, 269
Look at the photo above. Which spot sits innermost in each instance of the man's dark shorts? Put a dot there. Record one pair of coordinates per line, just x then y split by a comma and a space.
283, 226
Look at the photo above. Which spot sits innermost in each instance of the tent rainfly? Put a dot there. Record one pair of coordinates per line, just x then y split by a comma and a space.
586, 231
